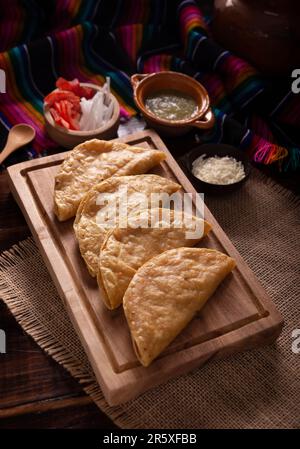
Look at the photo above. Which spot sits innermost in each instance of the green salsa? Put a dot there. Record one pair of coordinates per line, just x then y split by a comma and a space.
171, 105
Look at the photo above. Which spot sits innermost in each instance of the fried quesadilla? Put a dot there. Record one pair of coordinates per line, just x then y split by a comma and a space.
96, 213
146, 234
92, 162
166, 293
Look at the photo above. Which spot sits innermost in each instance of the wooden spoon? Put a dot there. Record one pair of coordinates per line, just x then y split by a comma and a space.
18, 136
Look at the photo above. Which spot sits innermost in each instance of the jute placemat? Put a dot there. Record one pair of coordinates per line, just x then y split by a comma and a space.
255, 389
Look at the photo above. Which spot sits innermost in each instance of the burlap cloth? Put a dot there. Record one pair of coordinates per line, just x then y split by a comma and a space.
255, 389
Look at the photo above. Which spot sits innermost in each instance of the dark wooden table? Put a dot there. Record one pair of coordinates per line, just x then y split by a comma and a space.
36, 392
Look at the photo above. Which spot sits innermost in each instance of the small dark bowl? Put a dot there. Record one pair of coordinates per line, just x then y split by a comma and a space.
217, 150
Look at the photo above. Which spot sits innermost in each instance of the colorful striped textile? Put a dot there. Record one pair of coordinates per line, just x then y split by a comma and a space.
92, 39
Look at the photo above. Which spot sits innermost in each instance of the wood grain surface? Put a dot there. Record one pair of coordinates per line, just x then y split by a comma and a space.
35, 391
239, 316
61, 403
41, 410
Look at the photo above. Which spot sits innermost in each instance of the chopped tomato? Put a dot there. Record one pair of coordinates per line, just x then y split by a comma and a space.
64, 84
59, 95
65, 114
73, 116
86, 92
64, 103
58, 119
75, 87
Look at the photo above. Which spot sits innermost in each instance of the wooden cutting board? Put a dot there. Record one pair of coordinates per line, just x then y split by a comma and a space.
239, 316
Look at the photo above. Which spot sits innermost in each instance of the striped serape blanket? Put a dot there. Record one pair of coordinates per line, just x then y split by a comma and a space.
92, 39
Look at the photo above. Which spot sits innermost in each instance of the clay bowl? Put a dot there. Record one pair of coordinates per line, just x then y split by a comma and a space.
145, 85
69, 139
221, 150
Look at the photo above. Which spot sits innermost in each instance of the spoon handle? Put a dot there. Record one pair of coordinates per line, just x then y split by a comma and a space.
8, 149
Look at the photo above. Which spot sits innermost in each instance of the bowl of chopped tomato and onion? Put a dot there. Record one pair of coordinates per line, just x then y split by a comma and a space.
75, 112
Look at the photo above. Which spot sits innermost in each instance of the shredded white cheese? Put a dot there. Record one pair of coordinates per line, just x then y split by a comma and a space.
218, 170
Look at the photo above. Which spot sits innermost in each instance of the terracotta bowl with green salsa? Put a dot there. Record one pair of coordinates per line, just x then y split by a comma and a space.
172, 103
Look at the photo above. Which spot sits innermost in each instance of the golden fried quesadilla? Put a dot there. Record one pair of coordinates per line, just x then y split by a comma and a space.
92, 162
146, 234
166, 293
99, 210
